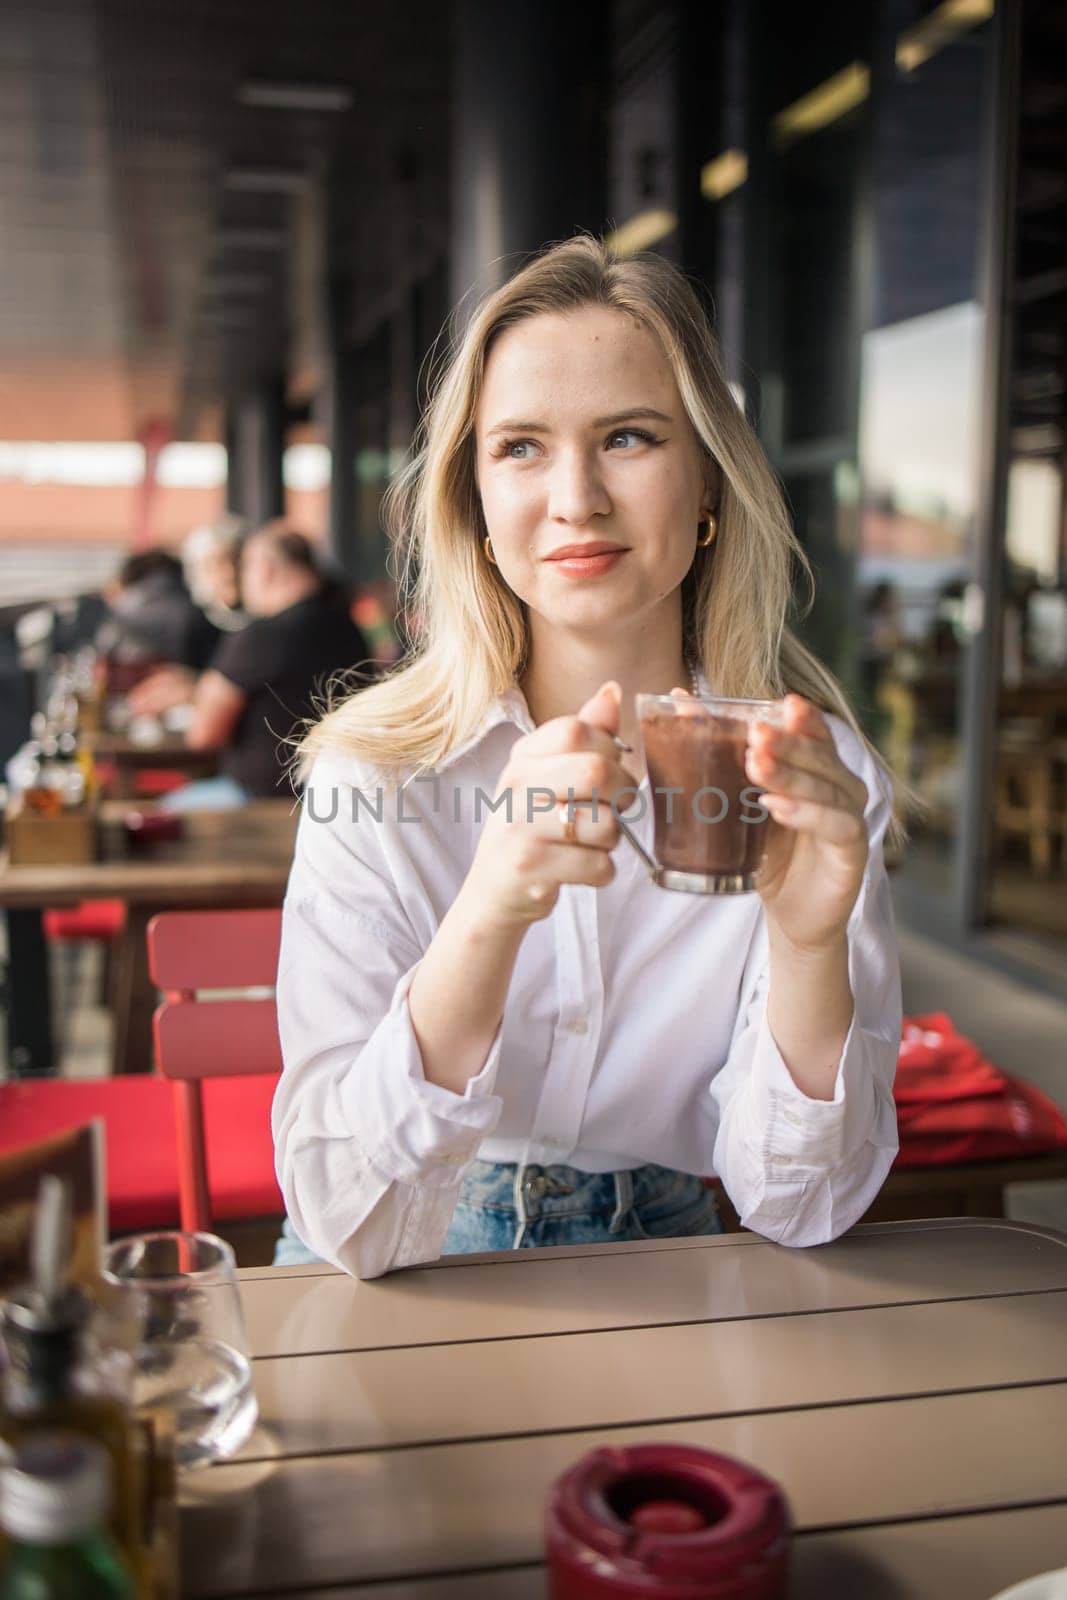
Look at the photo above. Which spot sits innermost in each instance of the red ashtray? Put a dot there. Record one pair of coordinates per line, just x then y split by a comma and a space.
666, 1522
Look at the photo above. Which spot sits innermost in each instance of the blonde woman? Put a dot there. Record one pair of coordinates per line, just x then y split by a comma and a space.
497, 1032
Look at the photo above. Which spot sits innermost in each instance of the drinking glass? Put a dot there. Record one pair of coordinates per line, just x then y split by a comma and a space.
190, 1353
710, 829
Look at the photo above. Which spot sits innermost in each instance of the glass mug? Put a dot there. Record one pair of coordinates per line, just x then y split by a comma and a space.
710, 830
190, 1355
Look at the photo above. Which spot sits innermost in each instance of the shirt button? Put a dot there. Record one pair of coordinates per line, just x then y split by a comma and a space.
578, 1025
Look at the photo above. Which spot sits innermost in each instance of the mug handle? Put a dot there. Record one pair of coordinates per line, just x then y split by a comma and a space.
628, 833
651, 866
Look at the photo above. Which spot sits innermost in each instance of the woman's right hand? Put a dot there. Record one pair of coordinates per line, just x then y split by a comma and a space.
523, 859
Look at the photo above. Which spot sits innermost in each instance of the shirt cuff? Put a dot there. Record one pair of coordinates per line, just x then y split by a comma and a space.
415, 1131
799, 1131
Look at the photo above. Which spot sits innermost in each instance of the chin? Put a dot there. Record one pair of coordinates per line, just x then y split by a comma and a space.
593, 611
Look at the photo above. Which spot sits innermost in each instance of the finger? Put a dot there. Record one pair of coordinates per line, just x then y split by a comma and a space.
795, 784
538, 785
561, 734
801, 716
687, 706
824, 822
781, 764
573, 823
772, 750
570, 863
601, 710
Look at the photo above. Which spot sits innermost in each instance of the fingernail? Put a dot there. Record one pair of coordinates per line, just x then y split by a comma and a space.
620, 744
616, 689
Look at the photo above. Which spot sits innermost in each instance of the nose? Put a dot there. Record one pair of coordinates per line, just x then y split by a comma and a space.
577, 491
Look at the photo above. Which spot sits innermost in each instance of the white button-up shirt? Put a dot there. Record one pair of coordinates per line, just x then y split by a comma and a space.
635, 1028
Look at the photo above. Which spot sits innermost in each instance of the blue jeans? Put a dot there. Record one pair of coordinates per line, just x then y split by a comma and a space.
206, 794
500, 1208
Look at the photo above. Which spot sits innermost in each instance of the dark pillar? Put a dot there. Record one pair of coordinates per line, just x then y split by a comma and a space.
702, 105
233, 476
340, 396
255, 439
983, 662
529, 141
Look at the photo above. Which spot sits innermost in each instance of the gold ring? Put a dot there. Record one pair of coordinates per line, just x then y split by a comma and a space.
570, 827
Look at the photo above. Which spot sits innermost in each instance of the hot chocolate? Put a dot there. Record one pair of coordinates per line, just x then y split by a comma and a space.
707, 813
710, 828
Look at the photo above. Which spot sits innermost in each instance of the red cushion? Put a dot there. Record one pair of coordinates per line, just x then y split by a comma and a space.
96, 919
159, 780
142, 1162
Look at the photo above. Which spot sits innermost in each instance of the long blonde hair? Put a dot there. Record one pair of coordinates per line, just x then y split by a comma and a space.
473, 632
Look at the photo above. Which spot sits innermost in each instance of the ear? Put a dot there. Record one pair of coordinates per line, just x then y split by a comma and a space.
709, 505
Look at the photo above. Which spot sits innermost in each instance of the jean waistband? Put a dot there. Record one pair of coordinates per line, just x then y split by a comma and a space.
532, 1185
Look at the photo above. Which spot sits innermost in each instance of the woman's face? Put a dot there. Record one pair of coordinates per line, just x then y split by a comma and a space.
582, 441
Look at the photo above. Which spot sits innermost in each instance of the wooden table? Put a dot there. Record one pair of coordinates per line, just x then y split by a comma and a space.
225, 859
129, 757
907, 1385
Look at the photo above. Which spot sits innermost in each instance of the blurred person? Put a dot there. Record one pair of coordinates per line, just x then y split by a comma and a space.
211, 563
263, 681
211, 557
153, 617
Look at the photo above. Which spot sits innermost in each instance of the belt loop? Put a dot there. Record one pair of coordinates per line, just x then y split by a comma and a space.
624, 1200
522, 1216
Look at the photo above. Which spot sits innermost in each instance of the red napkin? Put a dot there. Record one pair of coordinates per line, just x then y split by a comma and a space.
954, 1106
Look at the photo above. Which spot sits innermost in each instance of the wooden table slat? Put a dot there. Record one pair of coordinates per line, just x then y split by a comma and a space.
379, 1399
646, 1284
945, 1558
450, 1508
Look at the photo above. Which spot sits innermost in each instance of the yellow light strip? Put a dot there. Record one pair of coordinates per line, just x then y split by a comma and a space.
917, 44
723, 175
823, 105
641, 232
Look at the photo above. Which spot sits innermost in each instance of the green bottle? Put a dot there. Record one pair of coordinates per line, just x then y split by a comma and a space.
55, 1492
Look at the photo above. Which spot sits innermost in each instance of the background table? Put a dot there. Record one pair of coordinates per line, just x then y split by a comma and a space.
907, 1385
169, 753
225, 859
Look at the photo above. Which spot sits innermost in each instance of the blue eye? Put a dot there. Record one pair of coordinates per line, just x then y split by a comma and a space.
632, 433
517, 444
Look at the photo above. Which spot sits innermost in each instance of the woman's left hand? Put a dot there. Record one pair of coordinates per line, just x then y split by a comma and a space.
817, 840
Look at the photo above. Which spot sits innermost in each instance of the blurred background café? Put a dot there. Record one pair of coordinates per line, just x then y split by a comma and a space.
231, 236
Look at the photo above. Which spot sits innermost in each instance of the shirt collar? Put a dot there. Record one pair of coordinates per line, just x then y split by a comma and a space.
507, 707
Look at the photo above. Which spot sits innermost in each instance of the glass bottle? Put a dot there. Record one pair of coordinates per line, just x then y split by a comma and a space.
54, 1498
52, 1381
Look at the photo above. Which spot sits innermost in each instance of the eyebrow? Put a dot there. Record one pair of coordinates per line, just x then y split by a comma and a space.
613, 421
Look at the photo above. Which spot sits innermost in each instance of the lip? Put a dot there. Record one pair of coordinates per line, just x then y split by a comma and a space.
583, 552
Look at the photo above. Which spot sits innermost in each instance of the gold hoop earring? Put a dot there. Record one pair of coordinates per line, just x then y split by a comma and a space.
705, 538
489, 550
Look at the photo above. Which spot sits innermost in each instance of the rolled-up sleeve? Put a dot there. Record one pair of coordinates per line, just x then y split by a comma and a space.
798, 1170
369, 1155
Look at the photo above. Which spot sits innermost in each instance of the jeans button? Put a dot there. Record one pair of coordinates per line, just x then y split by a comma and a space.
536, 1187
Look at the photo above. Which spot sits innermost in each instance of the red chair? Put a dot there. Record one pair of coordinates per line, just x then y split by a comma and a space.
190, 1148
191, 953
97, 920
